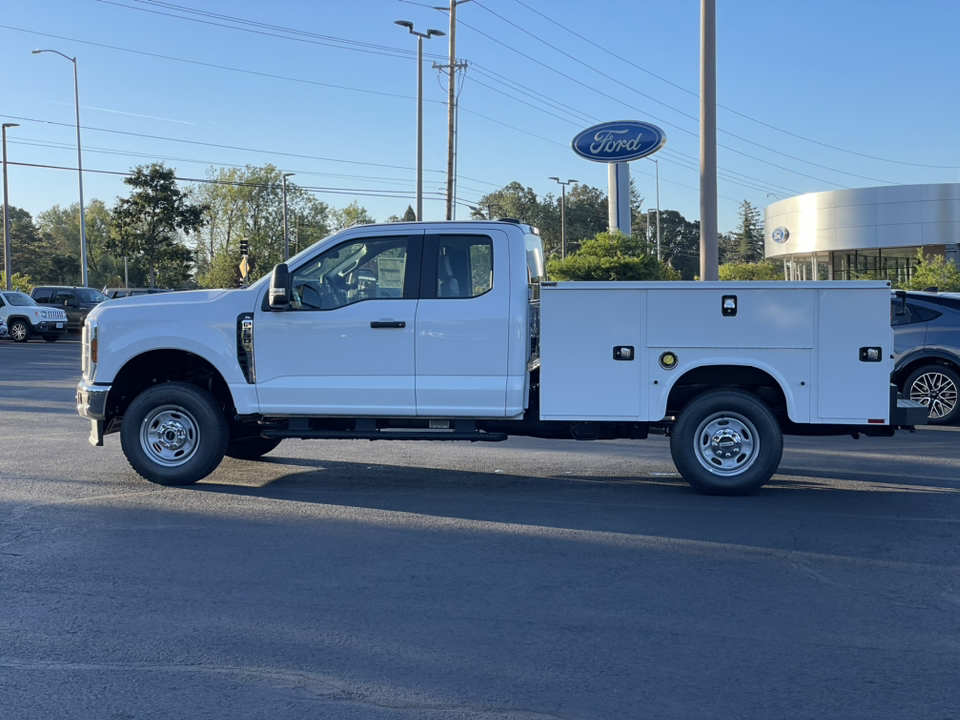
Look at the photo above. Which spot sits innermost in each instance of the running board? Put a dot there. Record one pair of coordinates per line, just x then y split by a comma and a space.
475, 436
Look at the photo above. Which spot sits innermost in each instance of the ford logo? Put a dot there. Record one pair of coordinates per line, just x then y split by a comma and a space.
780, 235
614, 142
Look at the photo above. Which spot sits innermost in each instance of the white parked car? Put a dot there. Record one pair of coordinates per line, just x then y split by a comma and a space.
24, 318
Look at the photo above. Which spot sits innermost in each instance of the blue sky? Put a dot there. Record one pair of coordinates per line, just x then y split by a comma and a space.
813, 95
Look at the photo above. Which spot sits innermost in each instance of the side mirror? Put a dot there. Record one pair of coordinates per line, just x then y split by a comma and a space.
279, 297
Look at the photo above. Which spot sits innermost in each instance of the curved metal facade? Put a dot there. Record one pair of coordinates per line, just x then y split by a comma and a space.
897, 216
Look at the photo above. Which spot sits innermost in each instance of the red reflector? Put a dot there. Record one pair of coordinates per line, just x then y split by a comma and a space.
876, 422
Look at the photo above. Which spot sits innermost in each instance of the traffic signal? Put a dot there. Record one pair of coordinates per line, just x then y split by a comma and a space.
244, 247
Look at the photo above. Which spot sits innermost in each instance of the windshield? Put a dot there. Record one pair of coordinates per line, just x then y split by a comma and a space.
19, 299
89, 295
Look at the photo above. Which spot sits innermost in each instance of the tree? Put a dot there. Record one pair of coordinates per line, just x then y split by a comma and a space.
745, 245
60, 243
27, 256
763, 270
23, 283
247, 204
611, 256
352, 214
147, 224
934, 271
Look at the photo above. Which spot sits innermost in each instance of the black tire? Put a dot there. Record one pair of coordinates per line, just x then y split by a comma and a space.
19, 330
936, 387
726, 442
174, 434
51, 338
251, 448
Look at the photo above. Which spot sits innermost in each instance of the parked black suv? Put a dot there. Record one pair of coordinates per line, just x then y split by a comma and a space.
926, 328
76, 301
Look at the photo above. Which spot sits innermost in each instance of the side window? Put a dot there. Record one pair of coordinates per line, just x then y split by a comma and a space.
911, 314
42, 296
64, 298
359, 270
464, 266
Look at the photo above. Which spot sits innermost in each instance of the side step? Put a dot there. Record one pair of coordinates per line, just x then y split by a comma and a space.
475, 436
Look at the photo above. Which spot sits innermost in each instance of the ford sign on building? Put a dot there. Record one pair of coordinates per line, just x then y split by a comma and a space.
621, 141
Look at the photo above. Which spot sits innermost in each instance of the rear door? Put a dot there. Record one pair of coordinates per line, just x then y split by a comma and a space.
462, 339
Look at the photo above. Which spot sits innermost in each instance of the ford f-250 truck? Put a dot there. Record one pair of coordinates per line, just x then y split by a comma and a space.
449, 331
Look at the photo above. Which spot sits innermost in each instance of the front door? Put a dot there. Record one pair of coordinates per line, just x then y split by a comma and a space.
346, 344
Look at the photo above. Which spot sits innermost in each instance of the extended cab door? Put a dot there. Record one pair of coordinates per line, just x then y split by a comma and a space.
346, 344
462, 341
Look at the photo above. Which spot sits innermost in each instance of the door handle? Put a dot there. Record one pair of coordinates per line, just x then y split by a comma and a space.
388, 324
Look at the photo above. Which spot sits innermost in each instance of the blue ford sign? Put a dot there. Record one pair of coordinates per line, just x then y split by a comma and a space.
780, 235
614, 142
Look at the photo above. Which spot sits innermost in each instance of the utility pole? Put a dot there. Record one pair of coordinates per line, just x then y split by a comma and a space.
451, 100
563, 212
7, 248
708, 140
286, 235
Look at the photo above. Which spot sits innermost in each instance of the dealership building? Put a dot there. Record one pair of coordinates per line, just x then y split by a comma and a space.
863, 232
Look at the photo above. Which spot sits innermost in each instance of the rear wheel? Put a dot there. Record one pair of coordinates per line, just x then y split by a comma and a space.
936, 387
19, 331
51, 338
174, 434
726, 442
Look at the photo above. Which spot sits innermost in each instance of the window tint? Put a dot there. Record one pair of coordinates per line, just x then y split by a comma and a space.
464, 266
911, 313
41, 296
369, 269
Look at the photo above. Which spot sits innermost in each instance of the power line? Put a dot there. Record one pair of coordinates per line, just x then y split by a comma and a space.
724, 107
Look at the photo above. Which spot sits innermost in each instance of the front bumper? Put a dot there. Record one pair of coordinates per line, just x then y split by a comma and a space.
92, 404
50, 327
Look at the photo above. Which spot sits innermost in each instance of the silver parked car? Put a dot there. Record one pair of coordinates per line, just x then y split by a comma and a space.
926, 329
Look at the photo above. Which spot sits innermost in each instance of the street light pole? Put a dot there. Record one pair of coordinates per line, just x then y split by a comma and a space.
83, 224
7, 247
420, 36
286, 236
563, 219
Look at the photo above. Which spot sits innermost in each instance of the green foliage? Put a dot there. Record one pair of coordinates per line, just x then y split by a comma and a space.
934, 271
352, 214
745, 245
410, 215
23, 283
611, 256
247, 204
763, 270
147, 224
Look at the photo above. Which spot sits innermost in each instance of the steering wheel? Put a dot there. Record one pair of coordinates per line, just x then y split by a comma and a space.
337, 296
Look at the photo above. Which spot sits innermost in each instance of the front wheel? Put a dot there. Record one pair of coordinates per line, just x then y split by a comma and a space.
174, 434
936, 387
51, 338
726, 442
19, 331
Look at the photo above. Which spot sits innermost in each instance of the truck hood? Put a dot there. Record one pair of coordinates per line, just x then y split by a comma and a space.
185, 297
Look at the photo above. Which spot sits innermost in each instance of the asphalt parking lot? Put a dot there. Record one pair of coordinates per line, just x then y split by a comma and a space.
519, 580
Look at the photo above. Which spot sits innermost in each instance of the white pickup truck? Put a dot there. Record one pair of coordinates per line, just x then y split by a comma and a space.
449, 331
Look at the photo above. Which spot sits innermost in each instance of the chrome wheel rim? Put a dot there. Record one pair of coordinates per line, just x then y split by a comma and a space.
726, 444
937, 391
169, 435
18, 331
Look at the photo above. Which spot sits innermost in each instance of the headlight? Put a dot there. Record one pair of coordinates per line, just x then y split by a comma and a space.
42, 314
90, 342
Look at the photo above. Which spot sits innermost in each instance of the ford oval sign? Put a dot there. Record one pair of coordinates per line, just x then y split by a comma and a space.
780, 235
614, 142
